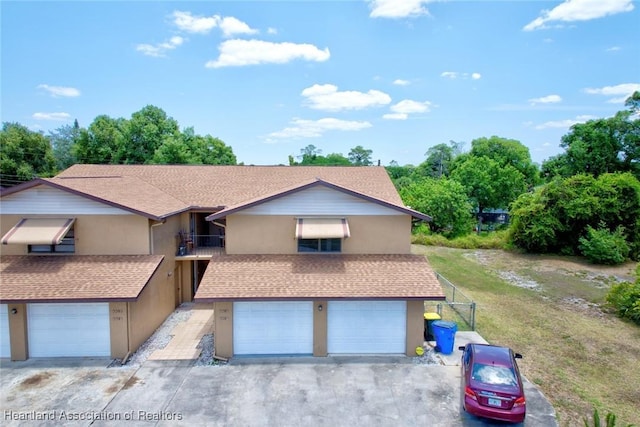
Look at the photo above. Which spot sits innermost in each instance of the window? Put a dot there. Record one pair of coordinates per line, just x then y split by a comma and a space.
319, 245
66, 246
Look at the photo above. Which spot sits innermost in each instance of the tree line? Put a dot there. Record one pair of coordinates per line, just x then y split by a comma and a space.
148, 137
585, 200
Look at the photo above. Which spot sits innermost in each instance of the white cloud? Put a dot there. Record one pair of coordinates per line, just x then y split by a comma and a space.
450, 74
272, 30
195, 24
160, 49
619, 92
327, 98
231, 26
458, 75
613, 49
565, 124
549, 99
61, 117
401, 82
60, 91
395, 116
315, 128
397, 8
579, 10
407, 106
236, 53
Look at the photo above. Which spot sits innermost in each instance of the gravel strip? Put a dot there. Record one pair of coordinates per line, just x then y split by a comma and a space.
160, 337
428, 358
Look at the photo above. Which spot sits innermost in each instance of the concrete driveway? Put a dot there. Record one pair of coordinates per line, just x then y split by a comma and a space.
260, 392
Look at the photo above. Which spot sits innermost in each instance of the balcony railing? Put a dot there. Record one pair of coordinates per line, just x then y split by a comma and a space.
200, 245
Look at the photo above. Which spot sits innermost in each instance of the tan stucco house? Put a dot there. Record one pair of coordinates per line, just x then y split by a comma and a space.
294, 260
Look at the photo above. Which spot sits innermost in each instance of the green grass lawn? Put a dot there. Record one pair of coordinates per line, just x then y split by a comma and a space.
580, 356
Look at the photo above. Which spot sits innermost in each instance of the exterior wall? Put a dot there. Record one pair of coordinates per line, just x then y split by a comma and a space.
249, 234
320, 200
260, 234
118, 321
185, 267
94, 234
415, 326
378, 235
320, 329
46, 200
153, 306
223, 328
18, 332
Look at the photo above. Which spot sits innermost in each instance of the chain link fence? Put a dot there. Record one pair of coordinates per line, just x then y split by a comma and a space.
457, 306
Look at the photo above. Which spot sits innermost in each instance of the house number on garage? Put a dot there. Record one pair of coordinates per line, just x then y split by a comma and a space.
117, 314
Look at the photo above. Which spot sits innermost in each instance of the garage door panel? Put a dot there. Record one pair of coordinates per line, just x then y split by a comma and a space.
69, 330
367, 327
279, 327
5, 345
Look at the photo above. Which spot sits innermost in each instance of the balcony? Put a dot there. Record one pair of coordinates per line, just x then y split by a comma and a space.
199, 246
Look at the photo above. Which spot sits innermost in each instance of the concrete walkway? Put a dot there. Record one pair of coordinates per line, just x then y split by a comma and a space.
461, 338
187, 335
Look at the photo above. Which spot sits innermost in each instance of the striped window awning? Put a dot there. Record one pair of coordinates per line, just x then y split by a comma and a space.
38, 231
322, 228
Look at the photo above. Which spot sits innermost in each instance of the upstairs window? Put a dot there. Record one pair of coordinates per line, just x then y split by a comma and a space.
66, 246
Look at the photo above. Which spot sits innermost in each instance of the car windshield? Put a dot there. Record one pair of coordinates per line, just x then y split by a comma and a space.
494, 375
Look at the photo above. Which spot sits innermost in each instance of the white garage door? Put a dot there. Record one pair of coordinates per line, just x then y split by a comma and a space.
5, 349
69, 330
280, 327
367, 327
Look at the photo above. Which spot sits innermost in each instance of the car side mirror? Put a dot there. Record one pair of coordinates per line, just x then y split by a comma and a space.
461, 348
517, 356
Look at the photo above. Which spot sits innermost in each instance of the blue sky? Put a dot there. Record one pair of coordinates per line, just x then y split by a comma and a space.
271, 77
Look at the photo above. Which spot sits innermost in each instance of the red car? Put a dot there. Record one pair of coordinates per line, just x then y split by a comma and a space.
492, 386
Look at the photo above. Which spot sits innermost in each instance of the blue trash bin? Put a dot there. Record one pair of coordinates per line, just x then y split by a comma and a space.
445, 333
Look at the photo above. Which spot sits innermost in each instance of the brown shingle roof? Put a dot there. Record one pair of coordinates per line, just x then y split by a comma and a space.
276, 277
86, 278
125, 191
220, 186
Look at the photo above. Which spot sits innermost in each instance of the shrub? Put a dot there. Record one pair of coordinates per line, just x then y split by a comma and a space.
624, 298
609, 420
492, 240
602, 246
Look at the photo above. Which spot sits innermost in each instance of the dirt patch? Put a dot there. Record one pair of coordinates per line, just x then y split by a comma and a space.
584, 307
519, 281
37, 380
131, 382
111, 389
571, 265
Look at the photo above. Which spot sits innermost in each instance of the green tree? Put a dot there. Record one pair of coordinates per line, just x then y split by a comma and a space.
445, 200
102, 142
439, 158
147, 130
24, 155
601, 146
507, 152
312, 156
63, 140
174, 152
488, 184
555, 216
359, 156
400, 175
